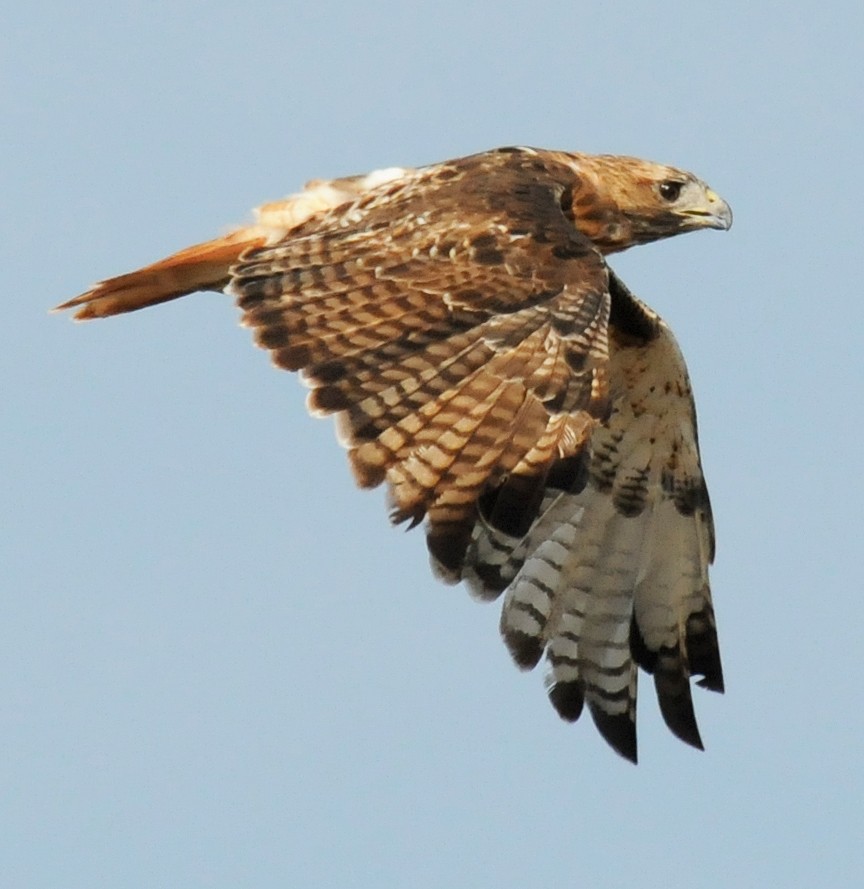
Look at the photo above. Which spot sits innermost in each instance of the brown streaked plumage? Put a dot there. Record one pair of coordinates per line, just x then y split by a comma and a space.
481, 358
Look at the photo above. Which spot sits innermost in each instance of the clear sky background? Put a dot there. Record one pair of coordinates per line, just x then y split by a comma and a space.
219, 666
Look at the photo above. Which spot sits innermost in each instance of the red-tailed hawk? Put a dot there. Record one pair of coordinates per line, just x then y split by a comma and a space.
480, 356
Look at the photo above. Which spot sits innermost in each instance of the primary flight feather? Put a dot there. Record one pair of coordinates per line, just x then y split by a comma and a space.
480, 356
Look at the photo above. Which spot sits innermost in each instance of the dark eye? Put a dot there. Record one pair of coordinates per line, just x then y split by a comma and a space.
670, 190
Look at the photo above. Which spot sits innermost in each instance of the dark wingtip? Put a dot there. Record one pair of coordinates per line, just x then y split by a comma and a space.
712, 683
676, 702
618, 730
525, 649
447, 545
567, 698
703, 650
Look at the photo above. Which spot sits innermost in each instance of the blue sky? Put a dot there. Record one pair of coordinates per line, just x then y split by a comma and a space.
219, 666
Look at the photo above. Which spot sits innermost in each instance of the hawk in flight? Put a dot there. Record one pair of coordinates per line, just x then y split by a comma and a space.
461, 323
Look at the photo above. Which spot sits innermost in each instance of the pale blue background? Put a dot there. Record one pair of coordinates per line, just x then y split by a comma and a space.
219, 667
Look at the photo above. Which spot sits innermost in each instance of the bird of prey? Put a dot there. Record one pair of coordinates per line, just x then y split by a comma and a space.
462, 324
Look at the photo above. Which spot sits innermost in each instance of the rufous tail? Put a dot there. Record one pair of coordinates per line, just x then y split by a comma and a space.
200, 267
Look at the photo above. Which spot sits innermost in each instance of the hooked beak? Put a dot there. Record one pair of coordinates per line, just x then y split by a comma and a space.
713, 213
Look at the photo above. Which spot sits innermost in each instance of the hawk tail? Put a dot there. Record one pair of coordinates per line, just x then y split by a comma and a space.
200, 267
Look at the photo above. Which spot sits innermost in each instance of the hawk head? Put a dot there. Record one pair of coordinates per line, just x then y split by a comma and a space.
631, 201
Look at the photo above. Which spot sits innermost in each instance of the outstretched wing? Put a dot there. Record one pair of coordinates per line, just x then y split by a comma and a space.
613, 574
458, 332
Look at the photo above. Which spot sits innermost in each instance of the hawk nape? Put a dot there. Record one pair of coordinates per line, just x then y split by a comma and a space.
480, 356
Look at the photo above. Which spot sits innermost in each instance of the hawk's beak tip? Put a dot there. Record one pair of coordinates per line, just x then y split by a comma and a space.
723, 217
719, 213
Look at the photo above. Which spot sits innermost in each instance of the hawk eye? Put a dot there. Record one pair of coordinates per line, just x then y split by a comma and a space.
670, 190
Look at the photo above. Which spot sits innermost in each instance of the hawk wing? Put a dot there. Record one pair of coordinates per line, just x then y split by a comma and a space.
459, 334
